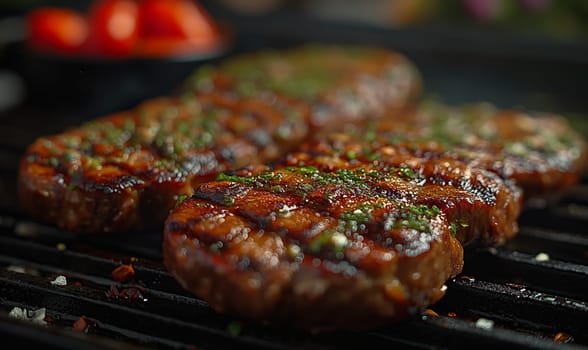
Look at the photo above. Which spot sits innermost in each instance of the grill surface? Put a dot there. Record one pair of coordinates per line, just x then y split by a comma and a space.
532, 303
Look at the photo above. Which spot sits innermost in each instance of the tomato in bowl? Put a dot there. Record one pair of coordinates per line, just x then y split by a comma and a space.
117, 52
125, 29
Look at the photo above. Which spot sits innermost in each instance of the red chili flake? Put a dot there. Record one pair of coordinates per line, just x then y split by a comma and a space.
81, 324
452, 314
432, 313
129, 293
123, 273
113, 292
77, 283
562, 337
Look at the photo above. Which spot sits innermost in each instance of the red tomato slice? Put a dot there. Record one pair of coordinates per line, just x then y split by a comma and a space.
113, 27
56, 30
184, 19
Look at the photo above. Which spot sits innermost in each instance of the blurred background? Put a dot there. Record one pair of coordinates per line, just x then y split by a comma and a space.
514, 53
563, 19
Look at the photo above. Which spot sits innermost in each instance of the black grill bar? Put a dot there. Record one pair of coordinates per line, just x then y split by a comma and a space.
570, 247
556, 277
516, 306
457, 333
24, 335
569, 218
185, 328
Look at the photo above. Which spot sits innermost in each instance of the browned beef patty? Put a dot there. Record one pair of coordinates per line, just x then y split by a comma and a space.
540, 152
312, 249
482, 208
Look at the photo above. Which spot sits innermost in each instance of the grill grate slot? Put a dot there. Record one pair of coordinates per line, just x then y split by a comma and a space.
555, 277
208, 331
560, 245
516, 307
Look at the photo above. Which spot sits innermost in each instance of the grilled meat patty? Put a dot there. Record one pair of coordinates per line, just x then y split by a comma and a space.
481, 207
124, 172
540, 152
335, 83
313, 249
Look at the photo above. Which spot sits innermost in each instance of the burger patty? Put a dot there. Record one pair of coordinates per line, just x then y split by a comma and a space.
481, 207
335, 83
539, 152
124, 172
311, 248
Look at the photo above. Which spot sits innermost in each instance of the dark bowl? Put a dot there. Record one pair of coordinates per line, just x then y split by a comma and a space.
92, 87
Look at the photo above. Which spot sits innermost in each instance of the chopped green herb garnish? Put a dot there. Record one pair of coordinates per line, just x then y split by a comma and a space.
180, 199
361, 214
331, 240
161, 163
228, 201
306, 170
234, 328
453, 229
216, 247
235, 178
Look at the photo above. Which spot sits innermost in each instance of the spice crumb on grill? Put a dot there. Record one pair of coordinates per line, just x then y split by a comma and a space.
123, 273
34, 316
132, 293
542, 257
485, 323
26, 229
23, 269
61, 247
59, 281
82, 324
562, 337
432, 313
234, 328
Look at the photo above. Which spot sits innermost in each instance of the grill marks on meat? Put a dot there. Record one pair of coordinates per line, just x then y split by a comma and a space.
124, 172
336, 83
481, 207
340, 233
145, 157
311, 248
539, 152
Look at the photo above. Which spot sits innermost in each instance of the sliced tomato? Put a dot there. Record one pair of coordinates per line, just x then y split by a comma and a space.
57, 30
184, 19
113, 27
